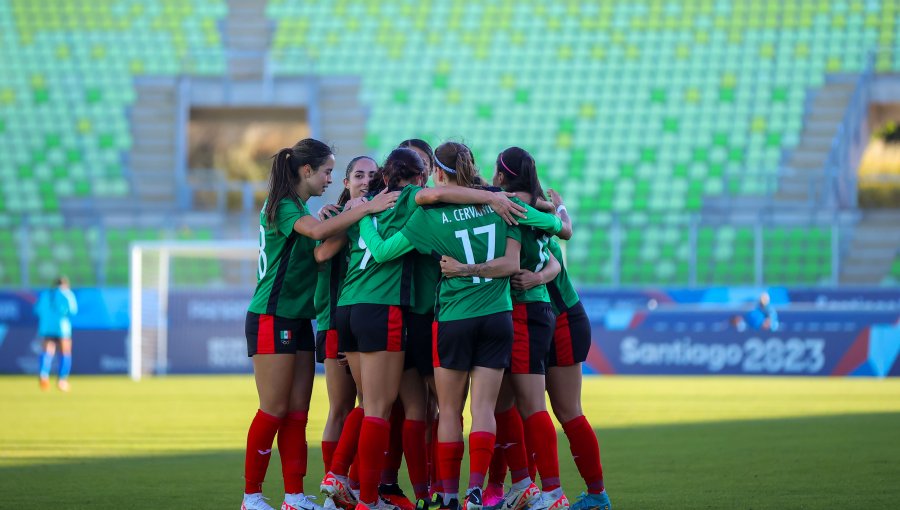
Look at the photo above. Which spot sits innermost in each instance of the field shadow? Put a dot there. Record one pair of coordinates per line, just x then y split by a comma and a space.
846, 461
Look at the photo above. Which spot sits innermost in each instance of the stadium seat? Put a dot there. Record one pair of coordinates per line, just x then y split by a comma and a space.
677, 102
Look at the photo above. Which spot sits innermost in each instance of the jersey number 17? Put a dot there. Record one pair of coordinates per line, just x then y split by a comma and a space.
490, 231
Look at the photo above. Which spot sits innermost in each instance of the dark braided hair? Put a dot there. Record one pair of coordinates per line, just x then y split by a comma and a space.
285, 175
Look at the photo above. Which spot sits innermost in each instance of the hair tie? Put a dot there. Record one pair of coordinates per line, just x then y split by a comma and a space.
506, 167
443, 166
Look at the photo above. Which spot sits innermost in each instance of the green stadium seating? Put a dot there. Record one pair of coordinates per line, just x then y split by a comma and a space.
66, 82
635, 110
651, 106
725, 255
797, 256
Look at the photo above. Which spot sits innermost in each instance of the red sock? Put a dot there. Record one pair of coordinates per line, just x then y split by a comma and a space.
328, 448
259, 450
586, 451
292, 448
374, 439
353, 476
414, 448
436, 485
395, 450
532, 465
450, 459
481, 449
540, 434
429, 467
511, 436
497, 472
349, 441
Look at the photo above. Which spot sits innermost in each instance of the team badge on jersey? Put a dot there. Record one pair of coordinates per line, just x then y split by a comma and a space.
285, 337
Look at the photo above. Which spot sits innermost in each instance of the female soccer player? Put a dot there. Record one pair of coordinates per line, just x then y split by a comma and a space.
473, 332
54, 309
534, 324
278, 327
569, 349
331, 256
370, 319
409, 436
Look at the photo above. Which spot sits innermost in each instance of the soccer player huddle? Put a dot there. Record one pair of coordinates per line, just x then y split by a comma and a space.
423, 298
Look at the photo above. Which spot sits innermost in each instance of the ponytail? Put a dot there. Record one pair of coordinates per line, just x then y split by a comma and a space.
456, 161
285, 175
521, 173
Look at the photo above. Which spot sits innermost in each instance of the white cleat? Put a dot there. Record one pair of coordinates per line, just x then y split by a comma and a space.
528, 497
255, 501
299, 502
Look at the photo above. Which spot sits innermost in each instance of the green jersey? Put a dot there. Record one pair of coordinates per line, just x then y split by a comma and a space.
426, 275
371, 282
562, 292
286, 268
328, 286
472, 235
535, 254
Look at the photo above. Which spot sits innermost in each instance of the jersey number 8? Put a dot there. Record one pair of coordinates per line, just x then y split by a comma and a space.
263, 263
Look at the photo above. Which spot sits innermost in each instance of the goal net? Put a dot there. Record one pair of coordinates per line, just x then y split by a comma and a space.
188, 303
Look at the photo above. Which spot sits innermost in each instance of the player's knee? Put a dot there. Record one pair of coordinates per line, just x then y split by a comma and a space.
565, 412
339, 410
278, 410
450, 407
376, 409
529, 406
416, 412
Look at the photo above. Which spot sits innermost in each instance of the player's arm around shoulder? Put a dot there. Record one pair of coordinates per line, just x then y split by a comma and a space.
383, 250
499, 202
311, 227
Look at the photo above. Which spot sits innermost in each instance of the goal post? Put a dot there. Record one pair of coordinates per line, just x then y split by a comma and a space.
157, 268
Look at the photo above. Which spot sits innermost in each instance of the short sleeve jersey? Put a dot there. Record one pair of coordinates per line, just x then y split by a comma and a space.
562, 293
286, 268
426, 275
472, 235
371, 282
328, 286
535, 254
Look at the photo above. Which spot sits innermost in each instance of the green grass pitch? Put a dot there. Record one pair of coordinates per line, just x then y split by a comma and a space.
714, 442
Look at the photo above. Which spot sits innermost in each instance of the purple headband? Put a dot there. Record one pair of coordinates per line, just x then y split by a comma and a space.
506, 167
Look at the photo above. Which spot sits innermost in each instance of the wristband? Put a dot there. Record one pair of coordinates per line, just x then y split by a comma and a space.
562, 207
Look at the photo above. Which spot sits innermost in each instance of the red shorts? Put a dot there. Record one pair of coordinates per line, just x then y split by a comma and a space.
533, 325
572, 338
326, 345
270, 334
